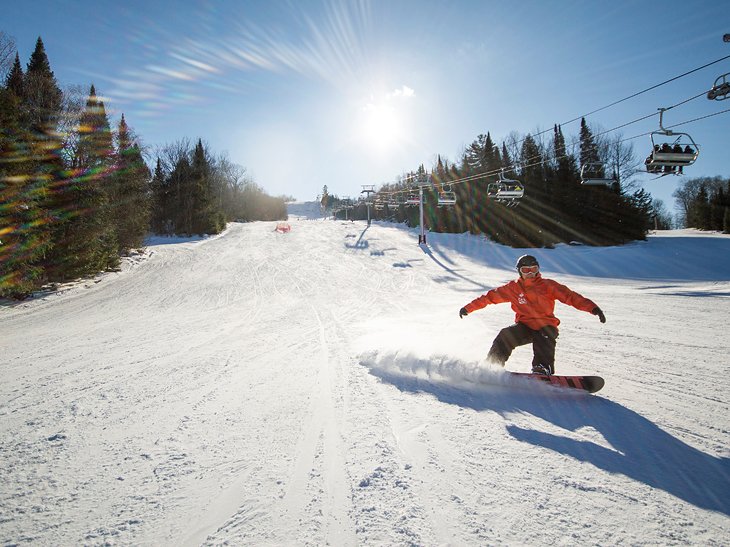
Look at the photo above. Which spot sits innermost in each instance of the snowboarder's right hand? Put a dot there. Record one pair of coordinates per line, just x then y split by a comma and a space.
462, 313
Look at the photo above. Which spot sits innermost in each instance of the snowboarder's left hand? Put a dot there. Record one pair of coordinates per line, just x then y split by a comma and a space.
597, 311
462, 313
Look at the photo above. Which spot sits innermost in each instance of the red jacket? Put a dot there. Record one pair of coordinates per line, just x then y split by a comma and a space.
533, 300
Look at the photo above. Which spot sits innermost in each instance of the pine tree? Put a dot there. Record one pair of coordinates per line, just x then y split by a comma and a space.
206, 219
160, 199
128, 195
87, 239
324, 201
180, 205
41, 94
507, 164
588, 148
30, 109
96, 148
532, 162
24, 234
14, 80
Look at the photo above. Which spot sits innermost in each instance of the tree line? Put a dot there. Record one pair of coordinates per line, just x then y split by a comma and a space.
556, 206
76, 194
705, 203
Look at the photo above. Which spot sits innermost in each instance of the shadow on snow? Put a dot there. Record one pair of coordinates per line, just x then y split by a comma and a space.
642, 450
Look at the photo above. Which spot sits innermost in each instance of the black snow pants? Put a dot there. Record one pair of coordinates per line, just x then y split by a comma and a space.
543, 344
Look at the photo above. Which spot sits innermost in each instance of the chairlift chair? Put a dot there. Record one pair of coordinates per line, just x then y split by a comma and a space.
447, 198
670, 156
720, 89
413, 199
591, 174
506, 190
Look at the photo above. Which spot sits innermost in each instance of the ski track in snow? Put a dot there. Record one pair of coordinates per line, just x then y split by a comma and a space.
318, 387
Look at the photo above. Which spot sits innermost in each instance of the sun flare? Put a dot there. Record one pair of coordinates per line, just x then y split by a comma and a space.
381, 126
383, 120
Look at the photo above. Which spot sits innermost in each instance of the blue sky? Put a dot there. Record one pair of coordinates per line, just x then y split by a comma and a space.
306, 94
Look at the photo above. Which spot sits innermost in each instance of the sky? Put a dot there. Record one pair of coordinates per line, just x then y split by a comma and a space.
347, 94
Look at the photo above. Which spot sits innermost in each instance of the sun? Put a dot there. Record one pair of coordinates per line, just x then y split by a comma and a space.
381, 126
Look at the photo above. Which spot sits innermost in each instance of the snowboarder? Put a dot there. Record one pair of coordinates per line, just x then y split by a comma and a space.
533, 300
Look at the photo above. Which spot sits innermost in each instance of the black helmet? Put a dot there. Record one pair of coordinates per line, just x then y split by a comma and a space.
526, 260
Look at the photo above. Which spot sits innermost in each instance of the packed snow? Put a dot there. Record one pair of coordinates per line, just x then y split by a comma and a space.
317, 387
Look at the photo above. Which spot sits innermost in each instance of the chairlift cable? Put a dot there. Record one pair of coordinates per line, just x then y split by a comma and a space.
633, 95
523, 166
649, 89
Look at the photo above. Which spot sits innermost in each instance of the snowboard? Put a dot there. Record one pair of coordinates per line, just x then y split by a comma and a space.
591, 384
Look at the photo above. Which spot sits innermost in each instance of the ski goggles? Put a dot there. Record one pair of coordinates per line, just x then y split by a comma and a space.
529, 269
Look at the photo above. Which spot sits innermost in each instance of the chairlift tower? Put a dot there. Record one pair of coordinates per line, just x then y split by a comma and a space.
421, 181
422, 236
368, 189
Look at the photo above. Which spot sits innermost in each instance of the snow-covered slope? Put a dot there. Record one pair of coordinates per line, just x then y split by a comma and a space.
318, 387
305, 210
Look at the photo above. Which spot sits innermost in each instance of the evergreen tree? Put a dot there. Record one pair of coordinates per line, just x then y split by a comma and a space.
41, 94
532, 163
324, 201
14, 80
565, 186
96, 147
205, 217
588, 147
87, 239
129, 198
30, 152
478, 154
24, 234
160, 201
180, 205
507, 164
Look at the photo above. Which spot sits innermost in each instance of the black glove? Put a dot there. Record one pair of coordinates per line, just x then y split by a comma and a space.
597, 311
462, 313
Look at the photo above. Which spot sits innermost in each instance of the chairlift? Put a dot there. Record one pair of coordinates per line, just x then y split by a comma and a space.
591, 174
413, 199
670, 156
720, 89
446, 197
505, 190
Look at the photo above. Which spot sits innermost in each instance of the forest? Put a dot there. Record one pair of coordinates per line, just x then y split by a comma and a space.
590, 197
77, 194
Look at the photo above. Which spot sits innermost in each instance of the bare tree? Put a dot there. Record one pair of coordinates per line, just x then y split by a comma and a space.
72, 105
7, 54
619, 158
